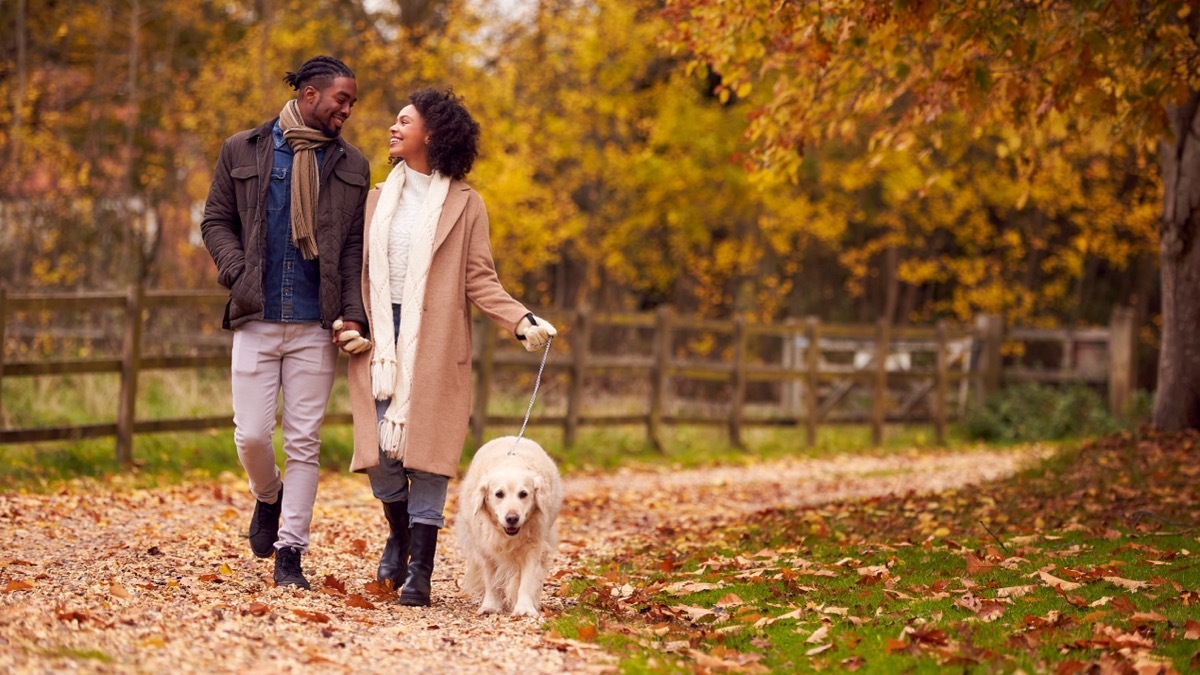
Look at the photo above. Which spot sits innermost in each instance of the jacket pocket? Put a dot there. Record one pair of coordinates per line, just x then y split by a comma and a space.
348, 190
245, 188
464, 348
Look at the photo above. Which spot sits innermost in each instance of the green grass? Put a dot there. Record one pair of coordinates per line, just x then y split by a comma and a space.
162, 458
917, 583
170, 457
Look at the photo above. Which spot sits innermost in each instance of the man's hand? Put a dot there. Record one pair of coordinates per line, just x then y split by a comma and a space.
535, 332
347, 335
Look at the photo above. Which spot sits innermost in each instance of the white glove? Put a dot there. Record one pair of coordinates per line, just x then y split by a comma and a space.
350, 341
535, 332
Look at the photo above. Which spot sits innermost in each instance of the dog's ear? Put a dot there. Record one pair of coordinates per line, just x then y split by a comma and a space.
538, 486
483, 495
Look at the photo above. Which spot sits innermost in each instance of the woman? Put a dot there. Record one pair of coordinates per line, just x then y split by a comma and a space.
426, 259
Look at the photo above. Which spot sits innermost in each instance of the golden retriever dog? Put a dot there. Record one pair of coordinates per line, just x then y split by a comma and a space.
507, 507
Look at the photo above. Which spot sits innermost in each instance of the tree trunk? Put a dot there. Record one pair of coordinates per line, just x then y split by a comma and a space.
1177, 402
18, 96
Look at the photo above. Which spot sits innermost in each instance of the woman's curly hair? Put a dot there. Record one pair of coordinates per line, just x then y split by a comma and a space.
453, 133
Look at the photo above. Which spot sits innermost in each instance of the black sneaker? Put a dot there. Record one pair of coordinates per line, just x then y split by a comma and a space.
287, 568
264, 526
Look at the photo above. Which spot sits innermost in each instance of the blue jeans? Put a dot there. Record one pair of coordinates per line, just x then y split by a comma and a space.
391, 482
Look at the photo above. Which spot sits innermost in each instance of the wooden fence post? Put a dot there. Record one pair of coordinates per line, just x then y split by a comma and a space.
792, 359
1122, 353
131, 354
812, 401
738, 399
580, 344
939, 385
990, 329
658, 377
883, 338
483, 379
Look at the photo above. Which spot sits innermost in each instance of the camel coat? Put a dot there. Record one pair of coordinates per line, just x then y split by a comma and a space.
462, 273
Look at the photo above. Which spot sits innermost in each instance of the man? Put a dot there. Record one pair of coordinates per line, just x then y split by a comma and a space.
284, 222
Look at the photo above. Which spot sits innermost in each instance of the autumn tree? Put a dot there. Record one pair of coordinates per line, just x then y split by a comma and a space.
1129, 69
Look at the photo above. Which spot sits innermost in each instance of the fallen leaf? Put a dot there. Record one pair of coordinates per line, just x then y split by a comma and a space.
730, 600
1191, 629
818, 635
693, 612
689, 587
817, 650
314, 617
1055, 582
18, 586
1014, 591
853, 663
356, 600
1124, 605
1127, 584
975, 565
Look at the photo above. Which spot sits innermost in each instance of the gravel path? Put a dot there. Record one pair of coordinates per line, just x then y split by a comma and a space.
95, 579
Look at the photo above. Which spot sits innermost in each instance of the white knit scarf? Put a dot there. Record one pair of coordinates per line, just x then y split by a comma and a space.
393, 360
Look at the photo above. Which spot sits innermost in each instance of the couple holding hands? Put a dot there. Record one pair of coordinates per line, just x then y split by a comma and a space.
316, 261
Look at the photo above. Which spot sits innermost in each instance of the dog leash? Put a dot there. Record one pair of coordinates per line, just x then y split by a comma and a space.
536, 383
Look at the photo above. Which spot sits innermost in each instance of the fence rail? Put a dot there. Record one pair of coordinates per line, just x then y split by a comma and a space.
732, 374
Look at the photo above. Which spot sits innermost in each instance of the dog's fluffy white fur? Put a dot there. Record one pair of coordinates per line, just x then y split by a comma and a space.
508, 505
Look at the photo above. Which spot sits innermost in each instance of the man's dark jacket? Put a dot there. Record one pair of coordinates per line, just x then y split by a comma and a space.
235, 225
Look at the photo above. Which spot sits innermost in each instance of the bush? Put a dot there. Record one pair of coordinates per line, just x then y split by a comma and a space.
1033, 412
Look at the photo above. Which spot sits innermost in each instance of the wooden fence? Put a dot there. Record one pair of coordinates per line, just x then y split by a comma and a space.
681, 370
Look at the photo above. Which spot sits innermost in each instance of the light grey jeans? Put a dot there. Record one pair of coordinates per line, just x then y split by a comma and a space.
391, 481
298, 360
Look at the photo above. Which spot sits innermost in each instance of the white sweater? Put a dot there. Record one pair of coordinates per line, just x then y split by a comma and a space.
416, 186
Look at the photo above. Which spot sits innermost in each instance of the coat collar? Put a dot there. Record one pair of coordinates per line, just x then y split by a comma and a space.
452, 208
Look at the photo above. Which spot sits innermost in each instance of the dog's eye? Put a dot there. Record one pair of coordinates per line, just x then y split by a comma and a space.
523, 494
499, 494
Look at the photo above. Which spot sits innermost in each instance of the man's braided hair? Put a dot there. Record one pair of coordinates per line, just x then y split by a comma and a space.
319, 71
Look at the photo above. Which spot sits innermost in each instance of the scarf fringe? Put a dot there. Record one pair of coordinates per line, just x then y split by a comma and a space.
383, 378
391, 435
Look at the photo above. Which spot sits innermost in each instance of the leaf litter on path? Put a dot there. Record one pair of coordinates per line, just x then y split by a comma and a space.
94, 579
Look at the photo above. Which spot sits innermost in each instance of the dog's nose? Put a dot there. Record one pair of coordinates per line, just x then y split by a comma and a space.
512, 519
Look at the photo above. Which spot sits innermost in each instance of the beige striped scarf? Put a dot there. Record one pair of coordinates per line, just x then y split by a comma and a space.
306, 180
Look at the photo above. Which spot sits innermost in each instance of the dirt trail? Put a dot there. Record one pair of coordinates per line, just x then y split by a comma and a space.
97, 580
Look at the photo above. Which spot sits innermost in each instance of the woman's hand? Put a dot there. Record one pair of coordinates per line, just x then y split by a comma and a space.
347, 335
535, 332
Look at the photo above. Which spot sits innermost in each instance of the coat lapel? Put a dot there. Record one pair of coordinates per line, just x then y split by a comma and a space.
456, 201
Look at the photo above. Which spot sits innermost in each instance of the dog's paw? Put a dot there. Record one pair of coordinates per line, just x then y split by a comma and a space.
489, 608
526, 608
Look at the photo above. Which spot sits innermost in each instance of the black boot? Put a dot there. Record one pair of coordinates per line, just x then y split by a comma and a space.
264, 526
422, 544
393, 564
287, 568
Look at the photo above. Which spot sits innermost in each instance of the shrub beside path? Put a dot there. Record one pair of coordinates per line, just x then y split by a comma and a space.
98, 578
